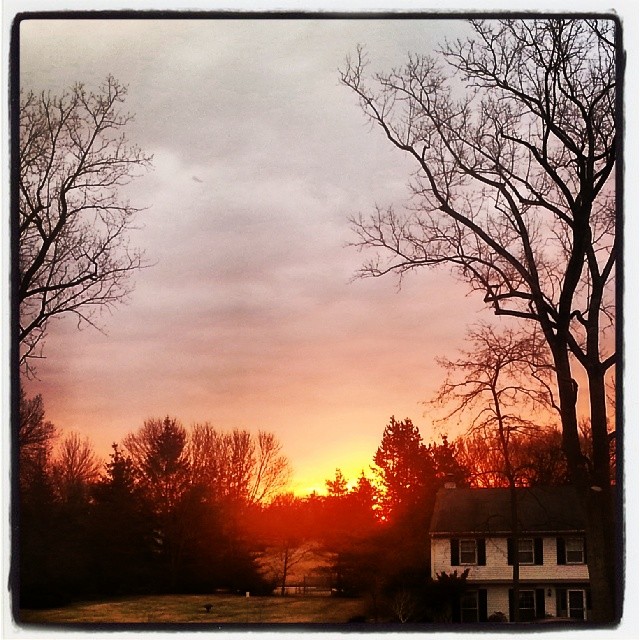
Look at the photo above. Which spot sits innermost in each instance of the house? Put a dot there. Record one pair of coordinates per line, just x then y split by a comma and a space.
471, 529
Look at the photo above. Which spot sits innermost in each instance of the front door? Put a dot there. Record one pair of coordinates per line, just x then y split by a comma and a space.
575, 603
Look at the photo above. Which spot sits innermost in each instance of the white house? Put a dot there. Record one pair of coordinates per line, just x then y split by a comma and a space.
471, 529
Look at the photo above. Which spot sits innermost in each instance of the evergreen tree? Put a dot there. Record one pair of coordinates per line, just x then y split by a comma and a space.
404, 468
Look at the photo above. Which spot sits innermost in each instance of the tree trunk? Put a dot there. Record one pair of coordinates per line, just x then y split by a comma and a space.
515, 530
285, 570
601, 554
594, 489
602, 539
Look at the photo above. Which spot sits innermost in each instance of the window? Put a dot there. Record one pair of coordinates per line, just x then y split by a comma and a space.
469, 607
531, 604
527, 605
574, 550
468, 552
571, 551
575, 604
525, 551
530, 551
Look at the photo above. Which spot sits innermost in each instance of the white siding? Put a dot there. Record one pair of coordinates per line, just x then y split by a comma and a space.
498, 600
497, 567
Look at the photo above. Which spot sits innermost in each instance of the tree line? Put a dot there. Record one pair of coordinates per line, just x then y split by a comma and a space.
199, 510
164, 514
514, 135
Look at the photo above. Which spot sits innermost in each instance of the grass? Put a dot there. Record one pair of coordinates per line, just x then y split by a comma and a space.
191, 609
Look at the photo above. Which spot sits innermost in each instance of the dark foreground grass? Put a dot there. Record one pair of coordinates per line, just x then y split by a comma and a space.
191, 609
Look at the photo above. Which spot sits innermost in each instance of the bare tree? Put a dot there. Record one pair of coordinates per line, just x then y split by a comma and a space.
498, 383
73, 225
236, 465
35, 442
285, 533
513, 132
538, 458
75, 469
272, 471
35, 432
488, 383
404, 605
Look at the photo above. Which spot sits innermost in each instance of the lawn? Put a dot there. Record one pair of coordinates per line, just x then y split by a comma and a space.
191, 609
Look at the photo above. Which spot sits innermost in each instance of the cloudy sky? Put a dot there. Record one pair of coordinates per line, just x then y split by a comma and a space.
250, 316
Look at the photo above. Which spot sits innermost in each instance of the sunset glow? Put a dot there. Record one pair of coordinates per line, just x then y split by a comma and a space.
248, 316
317, 309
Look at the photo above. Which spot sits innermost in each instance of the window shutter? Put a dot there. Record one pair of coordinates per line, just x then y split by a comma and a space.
538, 552
455, 552
562, 555
510, 547
482, 551
511, 607
540, 612
584, 550
588, 599
482, 605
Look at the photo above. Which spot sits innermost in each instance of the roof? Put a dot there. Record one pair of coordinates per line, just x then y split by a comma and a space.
540, 510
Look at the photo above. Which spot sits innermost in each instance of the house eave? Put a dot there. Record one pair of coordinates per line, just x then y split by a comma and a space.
548, 580
505, 533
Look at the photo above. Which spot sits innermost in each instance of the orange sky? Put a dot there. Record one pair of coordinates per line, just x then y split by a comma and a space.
249, 317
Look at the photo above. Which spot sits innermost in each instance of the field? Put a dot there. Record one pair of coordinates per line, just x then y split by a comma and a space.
191, 609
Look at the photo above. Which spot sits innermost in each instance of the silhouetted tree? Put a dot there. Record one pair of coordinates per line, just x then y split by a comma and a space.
448, 462
348, 521
408, 482
37, 507
122, 532
158, 451
515, 145
489, 383
237, 466
271, 471
35, 443
338, 486
75, 469
74, 254
498, 383
364, 496
540, 459
403, 467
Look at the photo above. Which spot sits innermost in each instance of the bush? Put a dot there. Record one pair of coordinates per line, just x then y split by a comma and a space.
497, 616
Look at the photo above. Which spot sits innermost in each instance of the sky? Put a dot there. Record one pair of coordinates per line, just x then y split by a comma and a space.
250, 316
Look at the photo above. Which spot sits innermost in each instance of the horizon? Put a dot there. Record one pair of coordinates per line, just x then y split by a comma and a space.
249, 316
